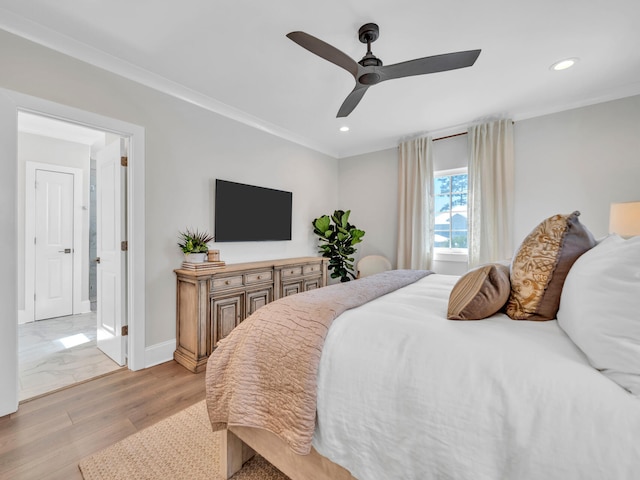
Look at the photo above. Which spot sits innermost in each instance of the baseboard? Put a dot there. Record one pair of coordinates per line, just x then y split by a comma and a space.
159, 353
22, 317
85, 306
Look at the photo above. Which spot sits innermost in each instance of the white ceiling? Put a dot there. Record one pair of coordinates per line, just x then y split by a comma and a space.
62, 130
233, 57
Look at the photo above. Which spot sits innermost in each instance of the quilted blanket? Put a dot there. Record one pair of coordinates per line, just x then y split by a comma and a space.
264, 374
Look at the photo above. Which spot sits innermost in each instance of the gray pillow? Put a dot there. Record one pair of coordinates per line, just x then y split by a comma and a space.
479, 293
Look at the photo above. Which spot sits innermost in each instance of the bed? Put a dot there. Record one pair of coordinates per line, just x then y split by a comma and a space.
401, 391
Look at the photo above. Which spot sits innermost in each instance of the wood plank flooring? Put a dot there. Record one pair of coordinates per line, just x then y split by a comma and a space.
48, 436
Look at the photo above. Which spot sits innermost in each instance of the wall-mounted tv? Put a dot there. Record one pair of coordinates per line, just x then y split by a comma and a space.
247, 213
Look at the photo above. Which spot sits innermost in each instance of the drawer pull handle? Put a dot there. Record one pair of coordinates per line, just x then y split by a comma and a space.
259, 277
226, 282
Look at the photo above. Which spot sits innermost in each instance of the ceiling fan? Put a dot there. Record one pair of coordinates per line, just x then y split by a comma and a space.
370, 71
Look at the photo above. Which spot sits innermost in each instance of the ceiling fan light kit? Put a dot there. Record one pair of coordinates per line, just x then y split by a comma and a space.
370, 70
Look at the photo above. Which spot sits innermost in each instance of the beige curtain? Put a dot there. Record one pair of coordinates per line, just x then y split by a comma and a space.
491, 192
415, 204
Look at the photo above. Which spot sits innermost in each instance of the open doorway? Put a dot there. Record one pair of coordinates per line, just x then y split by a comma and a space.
63, 320
138, 355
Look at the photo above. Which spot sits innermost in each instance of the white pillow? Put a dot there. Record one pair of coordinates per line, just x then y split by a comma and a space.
600, 309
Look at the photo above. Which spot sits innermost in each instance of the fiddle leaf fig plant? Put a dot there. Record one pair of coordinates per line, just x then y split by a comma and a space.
337, 239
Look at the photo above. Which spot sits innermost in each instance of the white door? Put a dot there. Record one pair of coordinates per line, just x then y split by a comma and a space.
53, 244
111, 268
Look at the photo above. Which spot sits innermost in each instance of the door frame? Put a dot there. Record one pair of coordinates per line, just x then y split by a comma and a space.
135, 226
29, 233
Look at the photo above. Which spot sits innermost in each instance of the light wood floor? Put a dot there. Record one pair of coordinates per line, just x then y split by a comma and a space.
48, 436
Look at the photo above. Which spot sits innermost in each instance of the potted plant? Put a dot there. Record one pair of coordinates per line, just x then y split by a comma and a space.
194, 245
337, 241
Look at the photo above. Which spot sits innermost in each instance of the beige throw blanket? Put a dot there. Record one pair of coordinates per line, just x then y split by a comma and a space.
264, 373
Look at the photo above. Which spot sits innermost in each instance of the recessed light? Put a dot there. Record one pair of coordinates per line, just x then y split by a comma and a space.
344, 128
564, 64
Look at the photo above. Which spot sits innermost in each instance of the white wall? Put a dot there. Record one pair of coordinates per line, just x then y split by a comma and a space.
8, 260
36, 148
582, 159
186, 149
449, 153
364, 185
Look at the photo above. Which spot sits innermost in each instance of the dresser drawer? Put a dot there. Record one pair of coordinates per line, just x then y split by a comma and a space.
258, 277
291, 272
226, 282
310, 269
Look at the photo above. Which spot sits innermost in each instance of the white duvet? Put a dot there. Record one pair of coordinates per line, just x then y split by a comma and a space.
404, 393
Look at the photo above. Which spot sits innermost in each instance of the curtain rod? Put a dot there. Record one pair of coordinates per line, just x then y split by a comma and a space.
458, 134
449, 136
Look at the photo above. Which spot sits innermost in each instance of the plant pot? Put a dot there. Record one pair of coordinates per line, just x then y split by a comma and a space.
195, 257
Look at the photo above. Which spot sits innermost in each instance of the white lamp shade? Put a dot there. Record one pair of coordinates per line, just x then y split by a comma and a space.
624, 219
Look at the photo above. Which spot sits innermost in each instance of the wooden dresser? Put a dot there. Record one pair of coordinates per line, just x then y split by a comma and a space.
211, 303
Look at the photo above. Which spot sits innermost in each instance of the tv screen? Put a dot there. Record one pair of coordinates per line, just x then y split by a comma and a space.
246, 213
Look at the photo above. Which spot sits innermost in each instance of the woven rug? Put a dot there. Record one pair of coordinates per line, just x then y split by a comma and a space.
179, 447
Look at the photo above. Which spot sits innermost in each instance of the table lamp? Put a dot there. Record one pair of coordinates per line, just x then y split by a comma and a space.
624, 219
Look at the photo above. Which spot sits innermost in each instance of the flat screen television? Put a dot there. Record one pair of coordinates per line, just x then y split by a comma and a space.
247, 213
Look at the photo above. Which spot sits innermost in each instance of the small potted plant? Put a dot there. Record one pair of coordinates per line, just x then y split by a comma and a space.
194, 245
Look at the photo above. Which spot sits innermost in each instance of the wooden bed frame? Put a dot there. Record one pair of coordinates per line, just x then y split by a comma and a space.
276, 451
239, 444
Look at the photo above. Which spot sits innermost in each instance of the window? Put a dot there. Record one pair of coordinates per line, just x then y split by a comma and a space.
450, 203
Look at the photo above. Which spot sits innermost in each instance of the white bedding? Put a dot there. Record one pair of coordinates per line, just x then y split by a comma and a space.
404, 393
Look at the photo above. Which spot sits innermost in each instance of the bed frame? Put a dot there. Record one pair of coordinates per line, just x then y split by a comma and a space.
239, 444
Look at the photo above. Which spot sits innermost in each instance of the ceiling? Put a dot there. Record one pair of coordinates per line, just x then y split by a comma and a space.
61, 130
233, 57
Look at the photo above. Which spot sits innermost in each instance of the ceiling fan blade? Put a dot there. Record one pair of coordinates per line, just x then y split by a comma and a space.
324, 50
352, 100
434, 64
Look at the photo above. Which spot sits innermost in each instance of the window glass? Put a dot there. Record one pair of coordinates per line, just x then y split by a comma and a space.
450, 204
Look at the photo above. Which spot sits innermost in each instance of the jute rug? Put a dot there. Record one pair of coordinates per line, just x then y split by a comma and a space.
179, 447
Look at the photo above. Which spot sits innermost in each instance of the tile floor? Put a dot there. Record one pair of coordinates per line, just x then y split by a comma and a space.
58, 352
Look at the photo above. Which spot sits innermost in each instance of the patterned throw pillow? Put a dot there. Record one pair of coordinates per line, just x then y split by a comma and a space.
479, 293
541, 264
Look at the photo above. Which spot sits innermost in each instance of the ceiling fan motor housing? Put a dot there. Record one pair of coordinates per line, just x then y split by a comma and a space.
369, 78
